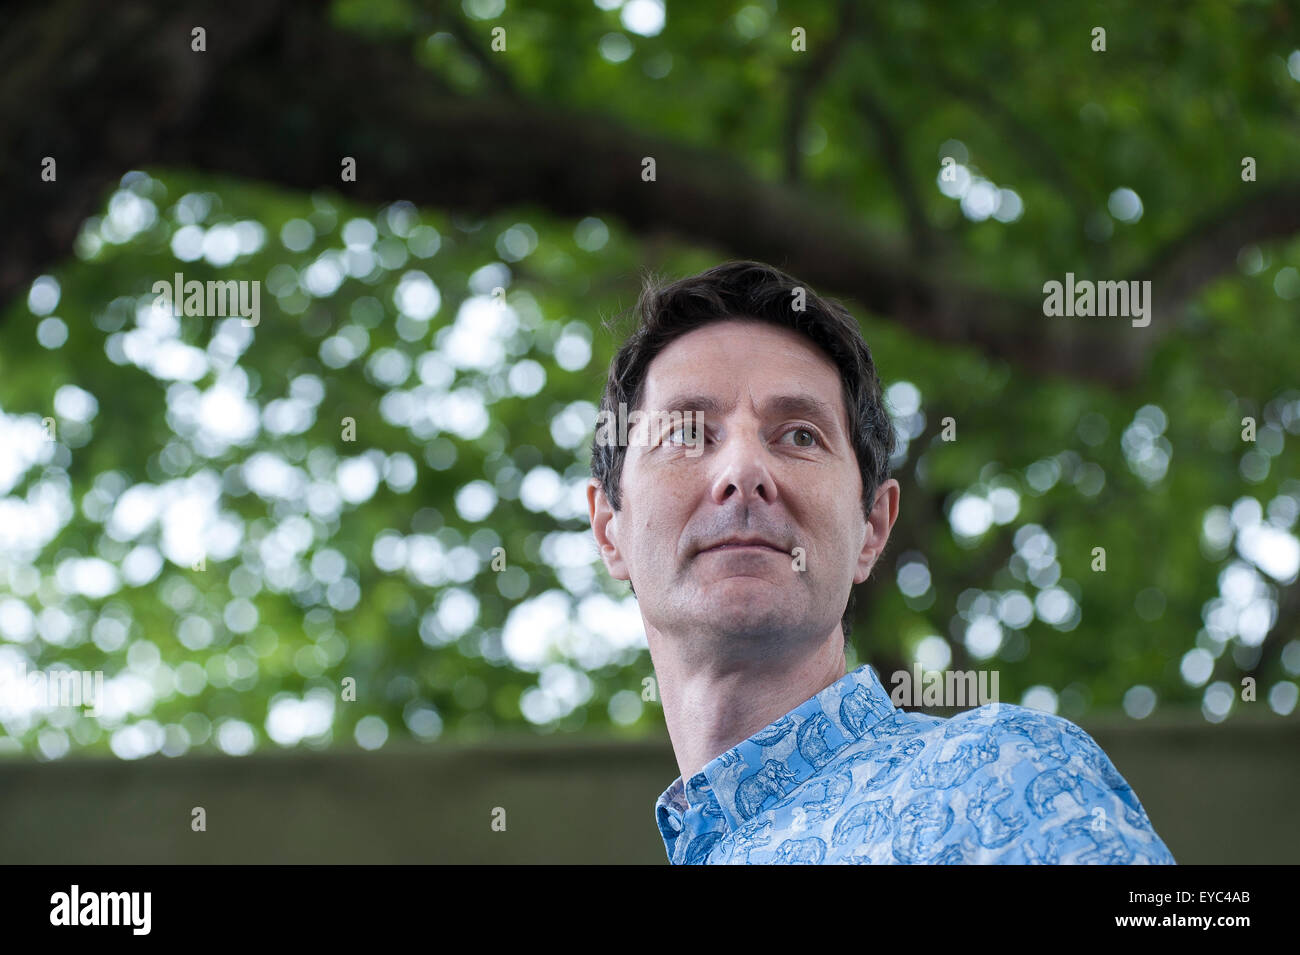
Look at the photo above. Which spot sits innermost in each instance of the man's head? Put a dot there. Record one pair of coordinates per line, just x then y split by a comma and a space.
792, 448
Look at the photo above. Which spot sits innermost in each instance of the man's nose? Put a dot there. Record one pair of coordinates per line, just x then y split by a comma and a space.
742, 466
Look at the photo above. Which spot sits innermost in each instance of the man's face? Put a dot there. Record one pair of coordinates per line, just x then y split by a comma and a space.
775, 464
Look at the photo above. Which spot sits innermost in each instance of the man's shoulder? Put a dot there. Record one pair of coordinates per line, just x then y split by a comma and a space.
1043, 761
997, 739
997, 783
1033, 731
1030, 729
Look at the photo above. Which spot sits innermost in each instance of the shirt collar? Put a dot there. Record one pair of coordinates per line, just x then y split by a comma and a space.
779, 757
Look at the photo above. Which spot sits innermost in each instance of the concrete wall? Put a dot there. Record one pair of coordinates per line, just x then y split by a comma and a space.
1215, 794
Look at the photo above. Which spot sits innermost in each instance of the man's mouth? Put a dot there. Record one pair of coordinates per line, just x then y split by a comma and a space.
742, 545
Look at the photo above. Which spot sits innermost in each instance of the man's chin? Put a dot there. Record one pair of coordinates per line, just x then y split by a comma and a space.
751, 602
754, 587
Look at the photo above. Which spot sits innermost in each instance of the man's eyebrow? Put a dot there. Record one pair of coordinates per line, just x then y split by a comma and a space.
710, 406
802, 406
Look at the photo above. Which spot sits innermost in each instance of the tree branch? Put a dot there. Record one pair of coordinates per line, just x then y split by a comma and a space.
890, 144
805, 82
1208, 249
498, 78
282, 97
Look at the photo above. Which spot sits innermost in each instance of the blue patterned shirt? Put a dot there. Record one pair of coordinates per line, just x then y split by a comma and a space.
847, 777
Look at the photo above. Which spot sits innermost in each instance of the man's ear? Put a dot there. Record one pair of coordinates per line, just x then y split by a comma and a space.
604, 524
879, 523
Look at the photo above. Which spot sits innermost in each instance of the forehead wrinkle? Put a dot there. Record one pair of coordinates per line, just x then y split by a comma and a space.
691, 398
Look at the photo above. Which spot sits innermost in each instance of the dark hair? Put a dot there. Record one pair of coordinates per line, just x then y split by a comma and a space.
750, 290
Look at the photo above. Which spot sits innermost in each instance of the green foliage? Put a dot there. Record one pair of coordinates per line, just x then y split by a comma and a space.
1168, 111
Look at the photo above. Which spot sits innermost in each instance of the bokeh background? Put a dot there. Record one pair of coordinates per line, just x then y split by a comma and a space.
230, 521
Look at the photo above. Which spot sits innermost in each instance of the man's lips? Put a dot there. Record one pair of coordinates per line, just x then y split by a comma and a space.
742, 546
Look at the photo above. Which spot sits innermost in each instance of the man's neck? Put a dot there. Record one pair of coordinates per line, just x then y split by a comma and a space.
710, 709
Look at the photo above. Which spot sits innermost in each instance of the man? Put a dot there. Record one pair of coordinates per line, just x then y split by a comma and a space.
751, 493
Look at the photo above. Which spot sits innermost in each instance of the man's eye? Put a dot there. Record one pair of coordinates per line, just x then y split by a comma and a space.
811, 436
687, 431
